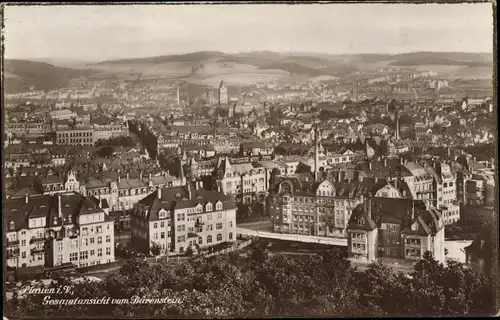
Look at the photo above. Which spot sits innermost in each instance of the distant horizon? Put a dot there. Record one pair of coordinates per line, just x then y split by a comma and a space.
95, 33
63, 59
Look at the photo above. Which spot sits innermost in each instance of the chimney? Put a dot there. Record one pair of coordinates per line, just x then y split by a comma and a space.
370, 165
59, 206
159, 193
385, 162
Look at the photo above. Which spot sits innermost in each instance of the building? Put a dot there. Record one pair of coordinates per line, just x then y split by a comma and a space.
49, 230
77, 137
223, 95
480, 253
401, 229
246, 182
64, 114
178, 218
110, 131
445, 191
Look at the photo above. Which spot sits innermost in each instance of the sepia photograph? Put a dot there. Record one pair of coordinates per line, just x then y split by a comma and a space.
249, 160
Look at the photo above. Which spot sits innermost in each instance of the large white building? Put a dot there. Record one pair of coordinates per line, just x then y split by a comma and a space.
177, 218
49, 230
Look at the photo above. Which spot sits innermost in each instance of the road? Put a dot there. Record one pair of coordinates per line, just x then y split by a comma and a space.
293, 237
264, 225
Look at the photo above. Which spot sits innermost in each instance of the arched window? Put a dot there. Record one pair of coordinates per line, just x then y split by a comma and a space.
209, 239
230, 236
219, 237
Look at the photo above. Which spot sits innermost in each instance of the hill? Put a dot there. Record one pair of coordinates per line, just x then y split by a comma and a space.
443, 58
25, 75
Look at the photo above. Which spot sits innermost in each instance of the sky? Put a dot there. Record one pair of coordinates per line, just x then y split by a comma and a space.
97, 33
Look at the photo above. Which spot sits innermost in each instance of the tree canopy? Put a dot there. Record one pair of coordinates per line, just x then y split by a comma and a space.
266, 285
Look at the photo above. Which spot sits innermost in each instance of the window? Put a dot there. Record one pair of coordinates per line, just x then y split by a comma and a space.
108, 239
23, 243
209, 239
155, 225
99, 240
218, 226
219, 215
230, 236
84, 255
60, 246
73, 256
200, 240
209, 217
92, 252
99, 252
162, 235
162, 224
92, 240
23, 254
85, 242
169, 234
108, 251
156, 236
209, 227
219, 237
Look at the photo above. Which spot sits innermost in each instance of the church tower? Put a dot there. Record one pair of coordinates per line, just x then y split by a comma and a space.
223, 96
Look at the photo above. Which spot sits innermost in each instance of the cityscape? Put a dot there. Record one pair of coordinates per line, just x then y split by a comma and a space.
207, 172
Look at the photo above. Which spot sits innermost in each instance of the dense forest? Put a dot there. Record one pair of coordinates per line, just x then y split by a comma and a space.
261, 285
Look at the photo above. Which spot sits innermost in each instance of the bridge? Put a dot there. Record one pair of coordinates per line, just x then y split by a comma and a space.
341, 242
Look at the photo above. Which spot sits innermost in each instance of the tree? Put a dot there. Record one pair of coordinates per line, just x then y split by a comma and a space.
155, 249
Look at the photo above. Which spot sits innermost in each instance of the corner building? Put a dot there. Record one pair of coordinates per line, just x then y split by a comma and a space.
177, 218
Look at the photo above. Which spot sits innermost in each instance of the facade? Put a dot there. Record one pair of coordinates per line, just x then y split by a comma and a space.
110, 131
49, 230
401, 229
77, 137
246, 182
177, 218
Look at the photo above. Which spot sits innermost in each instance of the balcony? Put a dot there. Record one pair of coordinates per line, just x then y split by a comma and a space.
37, 250
12, 242
37, 239
199, 223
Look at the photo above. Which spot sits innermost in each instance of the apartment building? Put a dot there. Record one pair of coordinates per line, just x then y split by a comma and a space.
309, 207
110, 131
76, 136
246, 182
401, 229
49, 230
445, 191
177, 218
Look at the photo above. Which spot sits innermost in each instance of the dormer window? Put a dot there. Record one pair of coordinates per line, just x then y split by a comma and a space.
414, 227
218, 206
55, 220
12, 225
209, 207
361, 221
